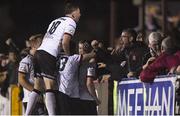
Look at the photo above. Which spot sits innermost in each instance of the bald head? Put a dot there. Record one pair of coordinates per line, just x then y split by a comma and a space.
167, 44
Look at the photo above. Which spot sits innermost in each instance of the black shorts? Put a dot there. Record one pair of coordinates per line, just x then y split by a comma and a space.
44, 65
75, 107
88, 107
63, 104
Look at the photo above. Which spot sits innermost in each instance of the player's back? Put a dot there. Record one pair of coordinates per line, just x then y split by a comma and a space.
55, 32
68, 75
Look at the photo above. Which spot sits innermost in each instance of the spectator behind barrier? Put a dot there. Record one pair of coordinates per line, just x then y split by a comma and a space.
133, 52
155, 40
127, 59
176, 69
112, 64
164, 62
154, 44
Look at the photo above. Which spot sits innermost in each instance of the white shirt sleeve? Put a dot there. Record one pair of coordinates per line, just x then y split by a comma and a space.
77, 58
23, 67
70, 28
91, 72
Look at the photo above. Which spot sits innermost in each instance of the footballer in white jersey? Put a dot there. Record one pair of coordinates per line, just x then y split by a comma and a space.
59, 33
55, 33
26, 67
26, 75
88, 97
69, 81
68, 75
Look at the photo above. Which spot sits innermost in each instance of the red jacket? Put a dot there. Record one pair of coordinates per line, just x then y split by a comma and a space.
163, 62
178, 54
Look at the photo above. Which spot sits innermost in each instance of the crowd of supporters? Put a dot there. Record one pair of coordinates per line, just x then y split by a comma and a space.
130, 57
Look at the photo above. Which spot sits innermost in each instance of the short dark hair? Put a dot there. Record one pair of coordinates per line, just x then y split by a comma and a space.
70, 7
86, 45
132, 32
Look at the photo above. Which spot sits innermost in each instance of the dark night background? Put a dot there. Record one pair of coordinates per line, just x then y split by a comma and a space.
19, 19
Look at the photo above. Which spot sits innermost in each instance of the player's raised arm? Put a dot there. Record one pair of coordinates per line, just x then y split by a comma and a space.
88, 56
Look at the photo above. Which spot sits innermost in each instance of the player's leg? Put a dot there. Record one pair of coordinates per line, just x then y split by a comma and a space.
47, 65
50, 95
33, 98
37, 85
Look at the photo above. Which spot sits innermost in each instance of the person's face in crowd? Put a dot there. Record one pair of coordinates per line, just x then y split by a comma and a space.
154, 48
119, 43
95, 44
76, 15
100, 45
140, 37
81, 49
126, 38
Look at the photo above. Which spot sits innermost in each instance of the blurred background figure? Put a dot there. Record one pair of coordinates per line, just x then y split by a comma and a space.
95, 44
12, 67
4, 84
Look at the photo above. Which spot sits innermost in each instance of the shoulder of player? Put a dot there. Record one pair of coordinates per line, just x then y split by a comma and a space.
75, 56
27, 59
70, 22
